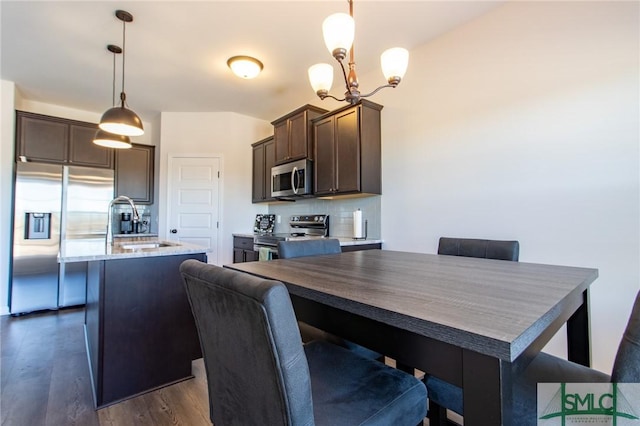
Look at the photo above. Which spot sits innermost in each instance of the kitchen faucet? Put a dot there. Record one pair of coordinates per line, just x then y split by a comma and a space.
136, 216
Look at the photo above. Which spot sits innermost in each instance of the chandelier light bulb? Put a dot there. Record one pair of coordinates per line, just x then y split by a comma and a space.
338, 30
394, 64
321, 77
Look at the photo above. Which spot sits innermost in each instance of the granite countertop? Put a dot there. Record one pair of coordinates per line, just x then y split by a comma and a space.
83, 250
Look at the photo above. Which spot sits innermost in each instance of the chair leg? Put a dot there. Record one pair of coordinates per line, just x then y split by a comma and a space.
437, 414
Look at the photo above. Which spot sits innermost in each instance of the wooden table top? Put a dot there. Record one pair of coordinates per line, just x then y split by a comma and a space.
490, 306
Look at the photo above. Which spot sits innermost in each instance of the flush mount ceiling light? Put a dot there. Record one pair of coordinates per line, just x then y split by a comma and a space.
245, 66
104, 138
338, 30
119, 119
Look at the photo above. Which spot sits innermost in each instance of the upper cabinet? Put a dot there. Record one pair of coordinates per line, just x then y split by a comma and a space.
42, 138
293, 136
348, 150
134, 173
263, 159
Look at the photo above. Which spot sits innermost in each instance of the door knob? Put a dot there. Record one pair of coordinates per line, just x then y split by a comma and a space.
174, 231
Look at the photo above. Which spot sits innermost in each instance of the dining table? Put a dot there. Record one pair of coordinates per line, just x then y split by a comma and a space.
476, 323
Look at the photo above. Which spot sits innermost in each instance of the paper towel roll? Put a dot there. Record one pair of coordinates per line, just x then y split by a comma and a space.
358, 229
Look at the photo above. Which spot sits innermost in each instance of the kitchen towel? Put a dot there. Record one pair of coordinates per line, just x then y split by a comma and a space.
264, 254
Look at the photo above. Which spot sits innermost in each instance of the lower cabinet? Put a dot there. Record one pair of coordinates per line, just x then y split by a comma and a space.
358, 247
243, 250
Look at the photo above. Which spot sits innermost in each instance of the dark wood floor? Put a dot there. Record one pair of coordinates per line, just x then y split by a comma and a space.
45, 380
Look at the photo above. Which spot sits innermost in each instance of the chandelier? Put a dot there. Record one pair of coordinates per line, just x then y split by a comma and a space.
338, 31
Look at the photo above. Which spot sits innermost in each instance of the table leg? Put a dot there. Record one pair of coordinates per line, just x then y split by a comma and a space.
578, 334
487, 390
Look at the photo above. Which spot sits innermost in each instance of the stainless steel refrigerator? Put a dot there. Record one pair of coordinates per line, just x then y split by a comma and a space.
54, 203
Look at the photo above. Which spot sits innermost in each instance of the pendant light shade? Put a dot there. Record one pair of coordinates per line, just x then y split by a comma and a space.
110, 140
120, 120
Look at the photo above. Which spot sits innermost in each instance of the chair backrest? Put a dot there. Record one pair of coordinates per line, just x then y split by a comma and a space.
303, 248
488, 249
256, 368
626, 367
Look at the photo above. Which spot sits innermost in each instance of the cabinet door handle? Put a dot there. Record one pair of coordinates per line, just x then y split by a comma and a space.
174, 231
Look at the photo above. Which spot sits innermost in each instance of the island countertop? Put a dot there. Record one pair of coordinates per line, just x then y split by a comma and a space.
83, 250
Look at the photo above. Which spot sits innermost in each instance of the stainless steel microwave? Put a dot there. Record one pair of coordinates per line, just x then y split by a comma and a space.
292, 179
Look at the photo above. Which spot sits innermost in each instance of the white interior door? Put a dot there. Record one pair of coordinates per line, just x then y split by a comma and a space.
193, 205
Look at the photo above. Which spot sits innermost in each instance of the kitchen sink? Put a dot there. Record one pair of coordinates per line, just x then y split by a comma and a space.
146, 245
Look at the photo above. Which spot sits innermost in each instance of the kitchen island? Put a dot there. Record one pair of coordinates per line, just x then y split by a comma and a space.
139, 330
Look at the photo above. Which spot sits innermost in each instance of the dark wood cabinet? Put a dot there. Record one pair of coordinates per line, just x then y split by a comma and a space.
82, 150
264, 158
348, 150
293, 134
134, 173
243, 250
359, 247
46, 139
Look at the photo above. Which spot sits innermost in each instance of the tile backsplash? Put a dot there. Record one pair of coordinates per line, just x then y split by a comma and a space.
340, 213
143, 210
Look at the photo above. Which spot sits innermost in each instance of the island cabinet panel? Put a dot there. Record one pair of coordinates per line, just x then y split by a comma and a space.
46, 139
293, 134
348, 151
140, 332
264, 158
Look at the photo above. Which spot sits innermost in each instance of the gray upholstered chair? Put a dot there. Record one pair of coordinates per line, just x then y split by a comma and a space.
471, 247
259, 372
316, 247
547, 368
443, 395
302, 248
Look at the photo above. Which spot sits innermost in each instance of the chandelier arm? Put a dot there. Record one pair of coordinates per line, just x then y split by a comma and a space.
327, 95
377, 90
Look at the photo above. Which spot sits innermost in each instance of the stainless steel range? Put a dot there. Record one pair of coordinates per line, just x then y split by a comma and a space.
303, 227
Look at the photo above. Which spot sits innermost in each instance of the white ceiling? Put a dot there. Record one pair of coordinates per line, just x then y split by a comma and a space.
176, 51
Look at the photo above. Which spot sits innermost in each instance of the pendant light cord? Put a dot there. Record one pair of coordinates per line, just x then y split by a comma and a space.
124, 53
113, 86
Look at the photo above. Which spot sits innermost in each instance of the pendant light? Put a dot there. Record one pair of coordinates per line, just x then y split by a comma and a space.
104, 138
119, 119
338, 31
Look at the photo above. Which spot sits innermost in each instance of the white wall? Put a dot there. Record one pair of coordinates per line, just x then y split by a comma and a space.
229, 136
7, 125
523, 124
